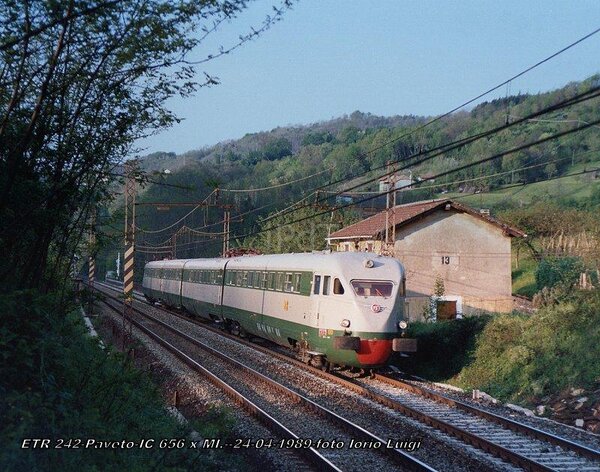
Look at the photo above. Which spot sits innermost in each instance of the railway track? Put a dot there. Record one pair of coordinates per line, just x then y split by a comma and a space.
514, 442
259, 393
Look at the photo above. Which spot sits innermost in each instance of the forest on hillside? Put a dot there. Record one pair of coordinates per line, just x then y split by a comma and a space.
330, 164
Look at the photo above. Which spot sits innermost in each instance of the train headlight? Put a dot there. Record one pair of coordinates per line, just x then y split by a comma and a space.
345, 323
403, 324
369, 263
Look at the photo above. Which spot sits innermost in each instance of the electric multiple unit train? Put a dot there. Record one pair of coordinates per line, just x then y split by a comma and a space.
334, 308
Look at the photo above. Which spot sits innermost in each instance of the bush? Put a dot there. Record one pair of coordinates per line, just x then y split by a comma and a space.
55, 382
444, 348
525, 357
558, 271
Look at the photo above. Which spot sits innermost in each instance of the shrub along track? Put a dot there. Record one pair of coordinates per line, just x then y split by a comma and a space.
519, 444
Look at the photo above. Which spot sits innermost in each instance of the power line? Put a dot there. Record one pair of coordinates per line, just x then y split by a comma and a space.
439, 150
578, 98
180, 220
275, 186
468, 102
444, 148
466, 166
430, 122
518, 185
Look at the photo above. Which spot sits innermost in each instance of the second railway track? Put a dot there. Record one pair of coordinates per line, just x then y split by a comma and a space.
317, 429
514, 442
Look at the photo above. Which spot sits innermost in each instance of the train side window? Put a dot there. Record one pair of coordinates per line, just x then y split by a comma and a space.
271, 280
265, 276
317, 285
338, 288
257, 279
326, 280
296, 284
279, 286
288, 283
250, 279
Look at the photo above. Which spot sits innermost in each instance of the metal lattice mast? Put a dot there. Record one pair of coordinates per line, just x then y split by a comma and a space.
226, 221
130, 191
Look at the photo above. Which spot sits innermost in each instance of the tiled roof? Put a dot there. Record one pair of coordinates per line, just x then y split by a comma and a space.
404, 214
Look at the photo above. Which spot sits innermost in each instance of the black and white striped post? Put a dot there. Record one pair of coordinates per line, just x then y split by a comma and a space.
128, 272
91, 249
92, 260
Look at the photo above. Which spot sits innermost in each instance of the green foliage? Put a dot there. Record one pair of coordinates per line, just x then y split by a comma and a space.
349, 135
317, 138
523, 278
438, 288
277, 149
98, 81
287, 236
555, 271
444, 348
56, 382
525, 357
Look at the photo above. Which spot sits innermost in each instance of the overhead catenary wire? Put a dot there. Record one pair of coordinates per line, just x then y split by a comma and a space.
520, 185
438, 118
466, 166
295, 207
442, 149
580, 97
178, 221
466, 103
284, 184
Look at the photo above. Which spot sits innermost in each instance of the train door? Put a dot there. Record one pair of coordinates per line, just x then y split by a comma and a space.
314, 315
332, 303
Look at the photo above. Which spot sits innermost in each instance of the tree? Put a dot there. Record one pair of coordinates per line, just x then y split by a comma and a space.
558, 271
282, 234
81, 82
277, 149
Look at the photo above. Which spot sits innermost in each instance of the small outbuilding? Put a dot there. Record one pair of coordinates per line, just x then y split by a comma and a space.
457, 259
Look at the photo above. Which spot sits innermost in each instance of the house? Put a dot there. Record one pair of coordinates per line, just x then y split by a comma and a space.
400, 182
457, 259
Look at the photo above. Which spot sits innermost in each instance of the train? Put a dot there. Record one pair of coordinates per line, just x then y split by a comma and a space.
334, 309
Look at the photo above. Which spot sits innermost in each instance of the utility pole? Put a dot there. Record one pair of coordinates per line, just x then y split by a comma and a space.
130, 191
387, 205
394, 208
226, 220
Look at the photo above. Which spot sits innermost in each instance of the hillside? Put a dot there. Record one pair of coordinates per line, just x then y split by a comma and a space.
289, 163
297, 136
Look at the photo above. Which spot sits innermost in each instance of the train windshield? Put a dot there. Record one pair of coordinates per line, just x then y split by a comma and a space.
372, 288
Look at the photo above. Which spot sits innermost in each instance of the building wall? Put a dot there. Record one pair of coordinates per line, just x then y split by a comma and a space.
471, 256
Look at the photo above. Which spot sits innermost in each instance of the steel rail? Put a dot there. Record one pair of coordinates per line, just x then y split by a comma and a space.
470, 438
506, 422
311, 454
398, 455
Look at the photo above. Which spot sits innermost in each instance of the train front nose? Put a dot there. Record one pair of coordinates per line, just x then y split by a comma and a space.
374, 352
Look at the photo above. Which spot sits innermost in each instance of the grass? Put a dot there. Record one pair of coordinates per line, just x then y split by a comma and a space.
524, 358
523, 278
578, 187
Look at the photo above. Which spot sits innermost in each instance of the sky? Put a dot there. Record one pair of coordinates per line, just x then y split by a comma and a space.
328, 58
